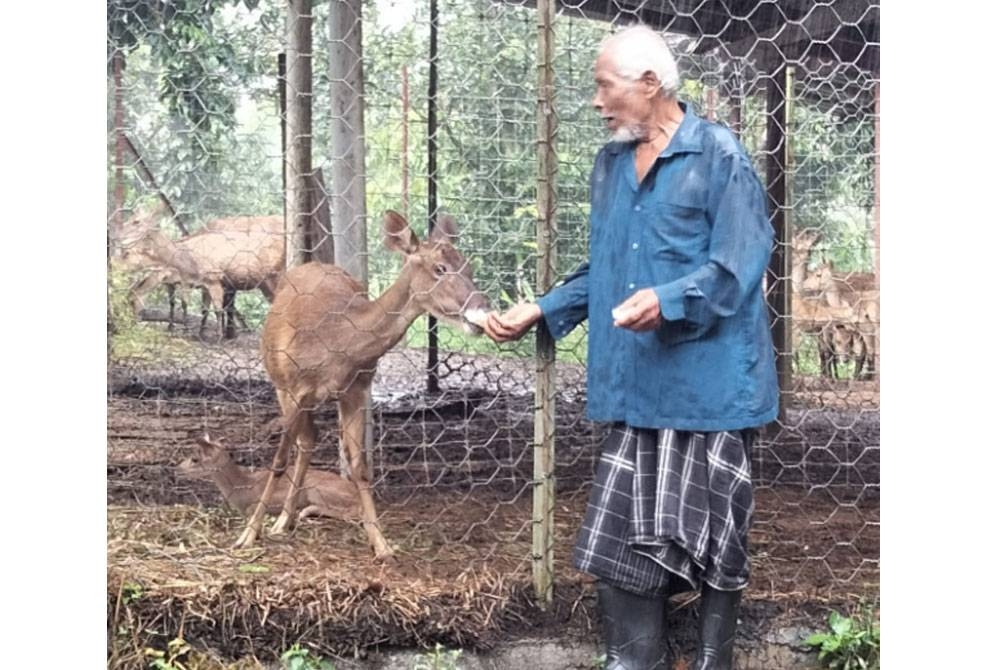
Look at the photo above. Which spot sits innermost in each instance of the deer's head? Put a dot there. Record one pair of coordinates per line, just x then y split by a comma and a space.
440, 277
135, 234
209, 457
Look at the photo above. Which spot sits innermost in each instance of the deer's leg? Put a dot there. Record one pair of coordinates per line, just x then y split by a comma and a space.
228, 309
171, 289
303, 454
140, 289
184, 308
267, 287
352, 436
215, 294
292, 424
822, 345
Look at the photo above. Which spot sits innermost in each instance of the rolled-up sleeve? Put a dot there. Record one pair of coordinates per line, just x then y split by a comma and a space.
565, 306
739, 249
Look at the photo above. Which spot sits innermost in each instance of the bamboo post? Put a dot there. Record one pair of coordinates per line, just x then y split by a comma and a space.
298, 161
117, 60
347, 139
406, 145
543, 499
348, 212
778, 270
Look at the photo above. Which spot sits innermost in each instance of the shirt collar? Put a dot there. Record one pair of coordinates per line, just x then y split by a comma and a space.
687, 138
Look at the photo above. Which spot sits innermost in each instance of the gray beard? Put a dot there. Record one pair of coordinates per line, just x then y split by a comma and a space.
627, 134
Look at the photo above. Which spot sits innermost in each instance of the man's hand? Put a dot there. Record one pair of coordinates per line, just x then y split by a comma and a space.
641, 311
512, 324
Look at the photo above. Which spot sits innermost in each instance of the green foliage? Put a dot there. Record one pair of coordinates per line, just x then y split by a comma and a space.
131, 592
852, 643
130, 339
438, 659
201, 97
171, 658
298, 658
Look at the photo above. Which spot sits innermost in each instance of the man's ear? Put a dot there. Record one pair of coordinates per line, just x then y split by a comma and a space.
651, 83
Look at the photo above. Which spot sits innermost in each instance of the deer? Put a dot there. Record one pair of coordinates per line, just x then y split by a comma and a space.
242, 253
840, 309
842, 343
322, 341
323, 494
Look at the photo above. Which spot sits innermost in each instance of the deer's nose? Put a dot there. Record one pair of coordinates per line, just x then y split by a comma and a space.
476, 300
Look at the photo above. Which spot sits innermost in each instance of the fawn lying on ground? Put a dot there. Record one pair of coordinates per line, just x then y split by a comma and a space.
323, 493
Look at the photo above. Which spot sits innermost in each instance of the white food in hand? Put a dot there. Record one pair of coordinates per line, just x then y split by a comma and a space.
476, 316
620, 313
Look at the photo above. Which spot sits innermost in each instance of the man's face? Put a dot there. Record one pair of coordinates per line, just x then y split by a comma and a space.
620, 102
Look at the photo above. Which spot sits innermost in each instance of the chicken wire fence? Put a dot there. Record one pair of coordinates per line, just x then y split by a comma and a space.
478, 452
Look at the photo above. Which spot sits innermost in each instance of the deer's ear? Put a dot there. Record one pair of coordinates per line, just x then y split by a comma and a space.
398, 236
445, 230
205, 443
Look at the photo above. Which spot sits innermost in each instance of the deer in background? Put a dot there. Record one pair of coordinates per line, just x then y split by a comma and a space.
323, 338
242, 253
841, 310
322, 493
858, 294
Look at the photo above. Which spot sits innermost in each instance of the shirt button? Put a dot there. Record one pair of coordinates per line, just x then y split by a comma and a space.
631, 285
638, 208
635, 245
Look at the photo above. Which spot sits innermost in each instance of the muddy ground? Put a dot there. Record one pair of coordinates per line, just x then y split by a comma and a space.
454, 468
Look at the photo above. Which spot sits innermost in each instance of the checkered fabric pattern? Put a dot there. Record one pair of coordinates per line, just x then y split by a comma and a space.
668, 504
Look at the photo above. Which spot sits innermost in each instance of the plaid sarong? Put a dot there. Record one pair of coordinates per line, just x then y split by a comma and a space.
668, 502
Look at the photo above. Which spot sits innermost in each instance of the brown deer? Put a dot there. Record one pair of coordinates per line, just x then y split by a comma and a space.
842, 343
857, 293
841, 310
322, 493
322, 341
242, 253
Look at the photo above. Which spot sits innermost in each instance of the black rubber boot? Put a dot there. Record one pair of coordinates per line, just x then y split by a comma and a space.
633, 630
718, 629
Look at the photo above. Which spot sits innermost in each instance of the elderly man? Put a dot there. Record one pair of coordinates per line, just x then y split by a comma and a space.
679, 356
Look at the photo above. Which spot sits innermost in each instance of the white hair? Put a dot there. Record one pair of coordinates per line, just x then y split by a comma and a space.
638, 49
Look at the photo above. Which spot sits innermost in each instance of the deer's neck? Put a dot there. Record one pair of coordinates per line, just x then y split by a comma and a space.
231, 478
173, 254
384, 321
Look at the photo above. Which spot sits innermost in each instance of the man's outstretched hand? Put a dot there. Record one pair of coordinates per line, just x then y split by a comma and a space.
512, 324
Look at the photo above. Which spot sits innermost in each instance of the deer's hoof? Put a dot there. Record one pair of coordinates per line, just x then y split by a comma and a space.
387, 556
283, 524
246, 539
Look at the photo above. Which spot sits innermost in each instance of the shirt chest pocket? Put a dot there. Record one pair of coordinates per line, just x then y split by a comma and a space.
679, 229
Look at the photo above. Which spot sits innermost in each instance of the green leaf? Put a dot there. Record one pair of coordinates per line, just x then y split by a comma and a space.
253, 568
840, 625
815, 640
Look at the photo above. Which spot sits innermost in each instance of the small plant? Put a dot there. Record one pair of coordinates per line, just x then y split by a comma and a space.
297, 658
851, 644
131, 592
438, 659
169, 659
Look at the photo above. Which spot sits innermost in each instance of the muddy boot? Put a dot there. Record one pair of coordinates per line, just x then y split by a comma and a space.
718, 629
633, 630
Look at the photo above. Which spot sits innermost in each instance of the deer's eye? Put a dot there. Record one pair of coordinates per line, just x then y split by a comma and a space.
440, 270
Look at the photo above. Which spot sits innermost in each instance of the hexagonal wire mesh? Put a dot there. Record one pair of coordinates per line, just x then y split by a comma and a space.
195, 124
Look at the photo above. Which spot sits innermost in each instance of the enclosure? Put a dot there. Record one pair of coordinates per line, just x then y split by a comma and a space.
314, 118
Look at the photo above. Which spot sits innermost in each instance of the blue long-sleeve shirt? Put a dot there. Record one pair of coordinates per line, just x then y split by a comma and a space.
696, 231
